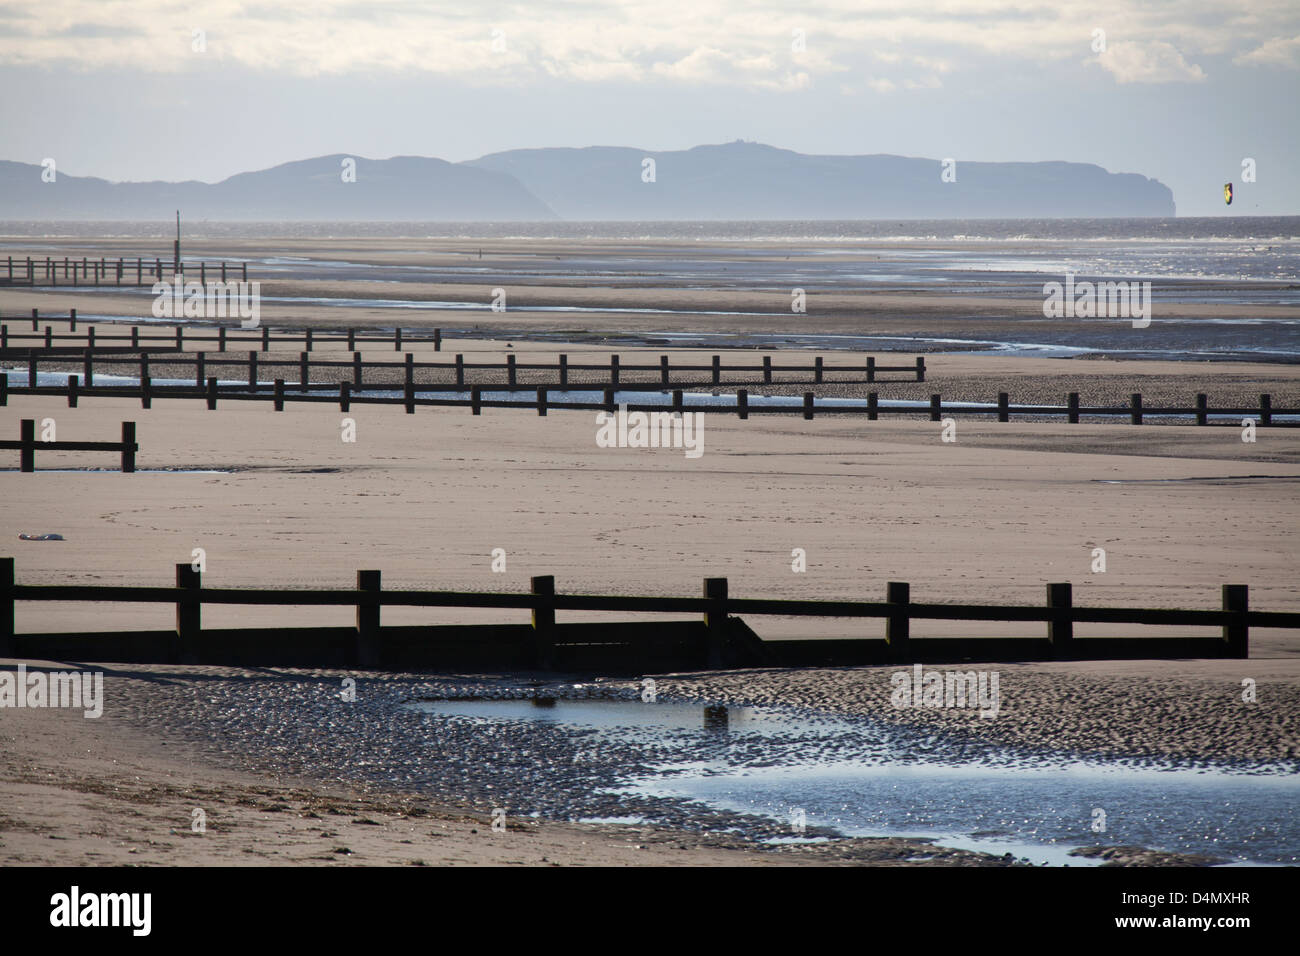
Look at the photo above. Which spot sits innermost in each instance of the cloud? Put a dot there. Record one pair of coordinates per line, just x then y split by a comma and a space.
759, 44
1152, 62
1279, 51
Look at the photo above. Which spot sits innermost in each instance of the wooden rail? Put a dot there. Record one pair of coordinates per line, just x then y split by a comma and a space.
31, 271
716, 638
27, 445
411, 394
181, 339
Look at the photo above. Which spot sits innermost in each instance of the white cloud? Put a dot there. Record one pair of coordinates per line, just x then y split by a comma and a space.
1152, 62
743, 43
1279, 51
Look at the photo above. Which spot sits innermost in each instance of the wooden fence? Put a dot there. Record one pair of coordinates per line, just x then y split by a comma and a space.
27, 445
408, 393
33, 271
717, 638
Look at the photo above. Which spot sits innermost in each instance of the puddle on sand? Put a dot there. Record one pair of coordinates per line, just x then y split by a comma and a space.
863, 778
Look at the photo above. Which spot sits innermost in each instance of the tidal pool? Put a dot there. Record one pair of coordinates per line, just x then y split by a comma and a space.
812, 774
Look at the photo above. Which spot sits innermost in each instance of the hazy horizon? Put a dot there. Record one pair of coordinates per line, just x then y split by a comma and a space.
1181, 94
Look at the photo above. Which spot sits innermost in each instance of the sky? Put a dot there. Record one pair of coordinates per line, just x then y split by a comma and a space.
1185, 92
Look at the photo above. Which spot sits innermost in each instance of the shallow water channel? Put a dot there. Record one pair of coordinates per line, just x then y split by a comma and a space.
813, 776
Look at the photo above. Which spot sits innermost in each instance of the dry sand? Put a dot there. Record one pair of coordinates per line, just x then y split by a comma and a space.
993, 517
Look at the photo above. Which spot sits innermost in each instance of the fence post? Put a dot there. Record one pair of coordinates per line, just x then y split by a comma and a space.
72, 320
146, 392
510, 369
7, 648
72, 391
1266, 409
1202, 408
1072, 407
368, 608
49, 336
397, 339
717, 369
544, 621
767, 370
920, 368
36, 320
898, 626
135, 336
345, 396
129, 447
1004, 407
715, 620
1236, 598
266, 338
88, 367
212, 393
677, 400
27, 454
409, 384
476, 400
609, 400
1135, 414
564, 369
33, 373
307, 339
4, 390
352, 340
613, 370
221, 339
180, 338
936, 408
252, 369
871, 369
200, 368
437, 340
356, 370
1060, 625
541, 402
189, 619
90, 337
742, 403
460, 370
279, 394
873, 406
817, 370
808, 406
663, 370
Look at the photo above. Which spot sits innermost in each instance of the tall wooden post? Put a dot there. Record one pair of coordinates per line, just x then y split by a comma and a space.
544, 622
7, 642
898, 626
1236, 598
715, 620
1060, 625
368, 626
129, 447
189, 619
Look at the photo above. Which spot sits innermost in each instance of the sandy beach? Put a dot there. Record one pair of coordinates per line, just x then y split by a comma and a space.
278, 500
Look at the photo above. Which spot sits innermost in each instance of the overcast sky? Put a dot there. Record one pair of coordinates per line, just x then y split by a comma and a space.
1183, 92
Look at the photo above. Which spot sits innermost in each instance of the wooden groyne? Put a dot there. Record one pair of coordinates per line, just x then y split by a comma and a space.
716, 636
49, 271
27, 445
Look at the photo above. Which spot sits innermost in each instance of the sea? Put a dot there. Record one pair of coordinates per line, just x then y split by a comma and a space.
1250, 264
